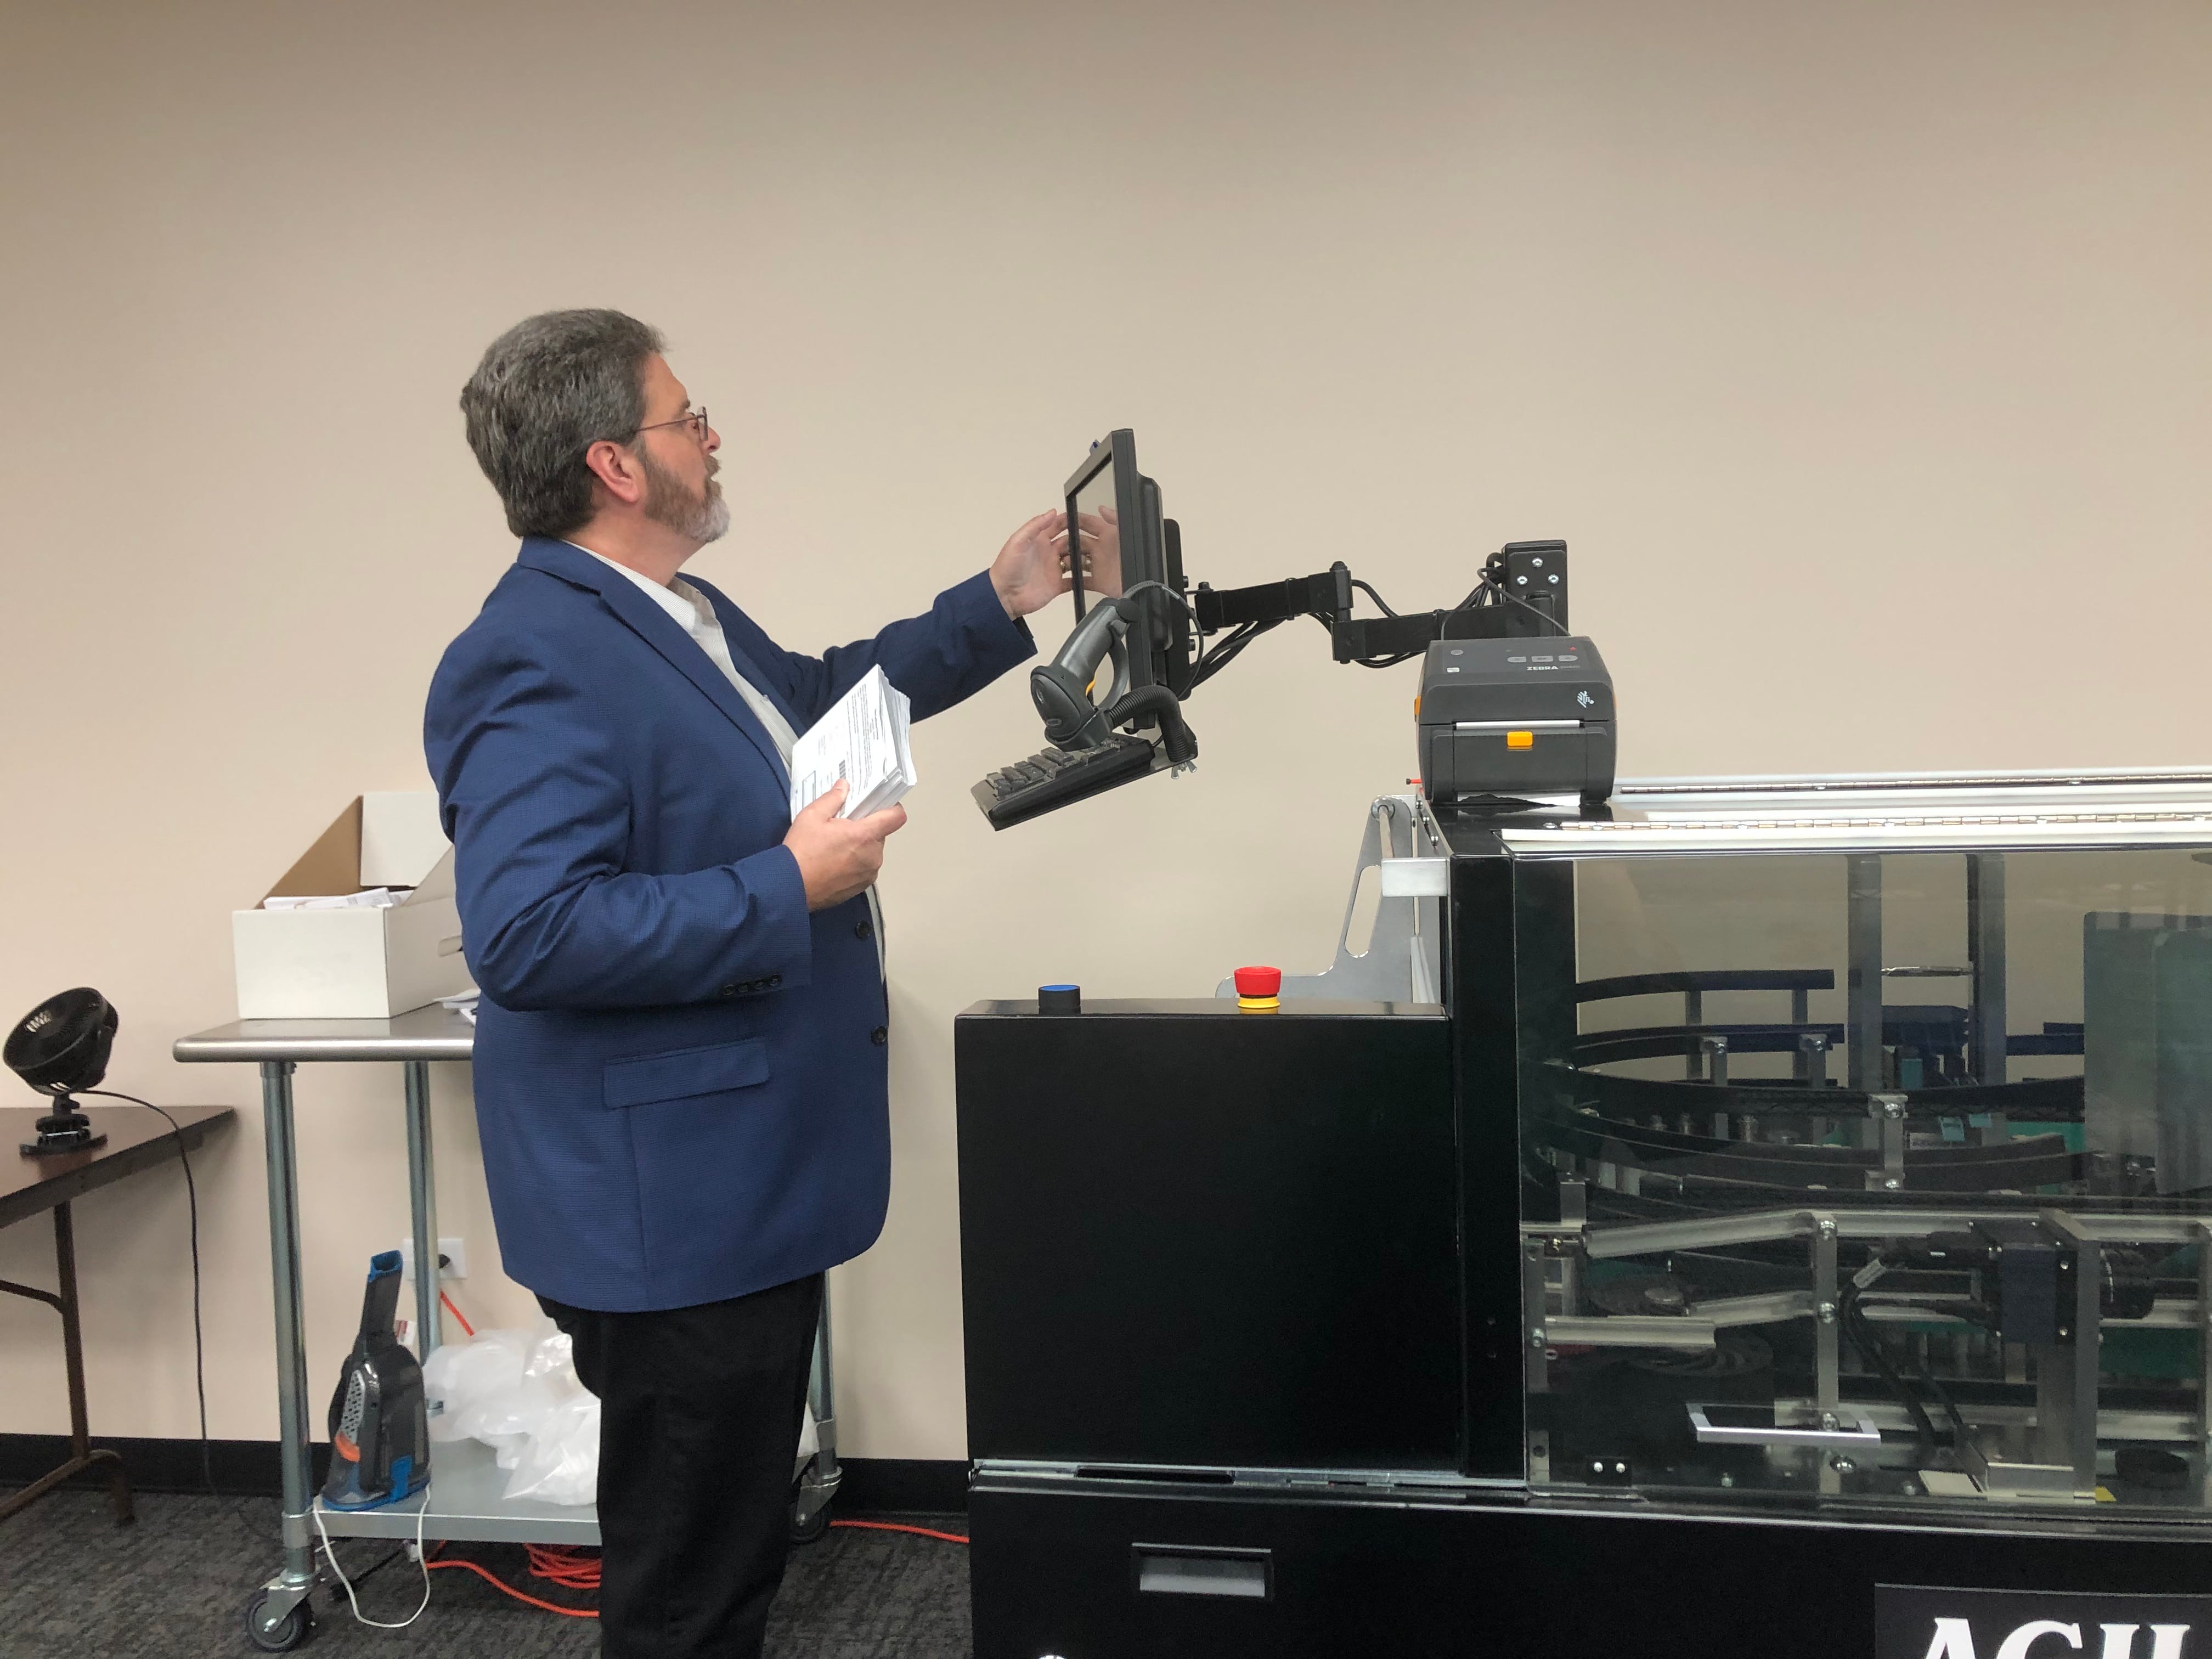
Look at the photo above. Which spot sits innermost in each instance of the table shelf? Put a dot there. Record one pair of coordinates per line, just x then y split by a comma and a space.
466, 1503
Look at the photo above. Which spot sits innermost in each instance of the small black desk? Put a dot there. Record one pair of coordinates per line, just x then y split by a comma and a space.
136, 1140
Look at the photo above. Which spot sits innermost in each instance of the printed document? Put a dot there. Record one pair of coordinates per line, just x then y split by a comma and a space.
862, 741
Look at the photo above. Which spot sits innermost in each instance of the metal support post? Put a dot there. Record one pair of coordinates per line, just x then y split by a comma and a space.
1535, 1310
1828, 1374
1574, 1211
1827, 1321
817, 1485
2067, 1375
1885, 1112
422, 1208
822, 1395
1811, 1063
1862, 950
2088, 1361
1693, 1015
1985, 959
297, 1580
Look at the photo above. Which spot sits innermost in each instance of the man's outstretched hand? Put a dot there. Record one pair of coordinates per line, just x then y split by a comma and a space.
839, 858
1031, 569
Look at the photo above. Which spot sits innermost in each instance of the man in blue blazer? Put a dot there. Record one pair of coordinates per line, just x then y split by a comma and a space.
680, 1053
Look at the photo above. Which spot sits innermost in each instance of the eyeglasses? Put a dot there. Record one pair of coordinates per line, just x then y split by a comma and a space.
696, 419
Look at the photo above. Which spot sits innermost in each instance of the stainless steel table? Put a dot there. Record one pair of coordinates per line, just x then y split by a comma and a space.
464, 1497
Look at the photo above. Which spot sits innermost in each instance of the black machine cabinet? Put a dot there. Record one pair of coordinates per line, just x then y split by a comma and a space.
1101, 1569
1170, 1213
1791, 1232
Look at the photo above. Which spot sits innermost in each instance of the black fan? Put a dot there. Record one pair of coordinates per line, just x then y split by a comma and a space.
59, 1047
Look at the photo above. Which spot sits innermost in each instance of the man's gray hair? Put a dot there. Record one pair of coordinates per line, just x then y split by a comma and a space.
547, 390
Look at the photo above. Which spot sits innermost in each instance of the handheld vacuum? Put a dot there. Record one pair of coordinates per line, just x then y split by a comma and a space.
380, 1423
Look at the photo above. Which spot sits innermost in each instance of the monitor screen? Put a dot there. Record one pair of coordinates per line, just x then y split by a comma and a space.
1094, 518
1114, 523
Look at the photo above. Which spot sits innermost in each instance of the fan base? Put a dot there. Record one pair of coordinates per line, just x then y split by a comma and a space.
64, 1131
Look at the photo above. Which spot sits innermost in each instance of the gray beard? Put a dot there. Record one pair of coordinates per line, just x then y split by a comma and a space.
702, 518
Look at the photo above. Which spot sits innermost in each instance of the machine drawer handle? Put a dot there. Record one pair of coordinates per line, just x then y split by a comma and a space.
1193, 1570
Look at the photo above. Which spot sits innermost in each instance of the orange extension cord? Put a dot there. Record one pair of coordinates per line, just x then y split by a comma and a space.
576, 1569
457, 1313
893, 1526
498, 1583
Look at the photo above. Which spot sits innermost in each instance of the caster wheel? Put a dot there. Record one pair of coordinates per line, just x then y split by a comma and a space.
285, 1634
810, 1531
814, 1527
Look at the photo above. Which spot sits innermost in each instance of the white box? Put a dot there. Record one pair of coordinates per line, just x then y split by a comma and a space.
357, 963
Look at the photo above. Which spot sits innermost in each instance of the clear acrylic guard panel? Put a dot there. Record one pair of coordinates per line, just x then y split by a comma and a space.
1874, 1177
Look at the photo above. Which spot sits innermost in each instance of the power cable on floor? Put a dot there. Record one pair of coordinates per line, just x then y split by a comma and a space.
501, 1584
895, 1525
331, 1555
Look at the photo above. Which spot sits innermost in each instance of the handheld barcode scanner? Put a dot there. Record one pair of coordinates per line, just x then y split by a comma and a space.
379, 1424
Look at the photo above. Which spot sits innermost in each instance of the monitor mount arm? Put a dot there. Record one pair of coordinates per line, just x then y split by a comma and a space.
1075, 719
1527, 581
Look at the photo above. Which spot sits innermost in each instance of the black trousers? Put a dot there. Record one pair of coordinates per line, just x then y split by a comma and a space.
698, 1429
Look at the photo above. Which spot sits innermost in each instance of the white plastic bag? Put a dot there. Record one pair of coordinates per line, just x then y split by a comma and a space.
555, 1356
505, 1421
561, 1465
517, 1392
460, 1374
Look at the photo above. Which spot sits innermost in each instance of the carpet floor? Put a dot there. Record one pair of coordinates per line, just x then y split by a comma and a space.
74, 1585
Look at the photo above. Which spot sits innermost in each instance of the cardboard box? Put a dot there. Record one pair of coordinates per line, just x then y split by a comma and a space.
358, 962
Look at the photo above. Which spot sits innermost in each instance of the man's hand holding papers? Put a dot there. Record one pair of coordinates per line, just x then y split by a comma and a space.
848, 773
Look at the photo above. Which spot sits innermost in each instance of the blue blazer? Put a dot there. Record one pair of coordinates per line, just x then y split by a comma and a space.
679, 1071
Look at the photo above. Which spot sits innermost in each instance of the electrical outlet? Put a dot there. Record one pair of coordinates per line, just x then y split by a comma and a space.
455, 1250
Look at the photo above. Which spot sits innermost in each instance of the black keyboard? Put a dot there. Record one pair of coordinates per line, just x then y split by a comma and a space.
1054, 777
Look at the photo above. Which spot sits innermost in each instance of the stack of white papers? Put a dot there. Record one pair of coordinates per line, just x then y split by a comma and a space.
862, 742
376, 898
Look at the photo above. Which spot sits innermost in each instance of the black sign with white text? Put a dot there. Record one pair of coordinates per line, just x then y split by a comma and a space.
1912, 1621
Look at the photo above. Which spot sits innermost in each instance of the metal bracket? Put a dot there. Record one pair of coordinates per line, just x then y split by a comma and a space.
1399, 961
1857, 1430
1630, 1331
1886, 1114
1416, 878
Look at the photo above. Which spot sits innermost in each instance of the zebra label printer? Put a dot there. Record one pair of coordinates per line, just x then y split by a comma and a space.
1516, 719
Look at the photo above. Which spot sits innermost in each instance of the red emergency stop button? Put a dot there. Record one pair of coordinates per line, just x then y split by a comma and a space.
1259, 988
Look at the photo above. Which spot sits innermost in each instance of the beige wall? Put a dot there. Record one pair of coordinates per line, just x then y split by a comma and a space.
1861, 352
